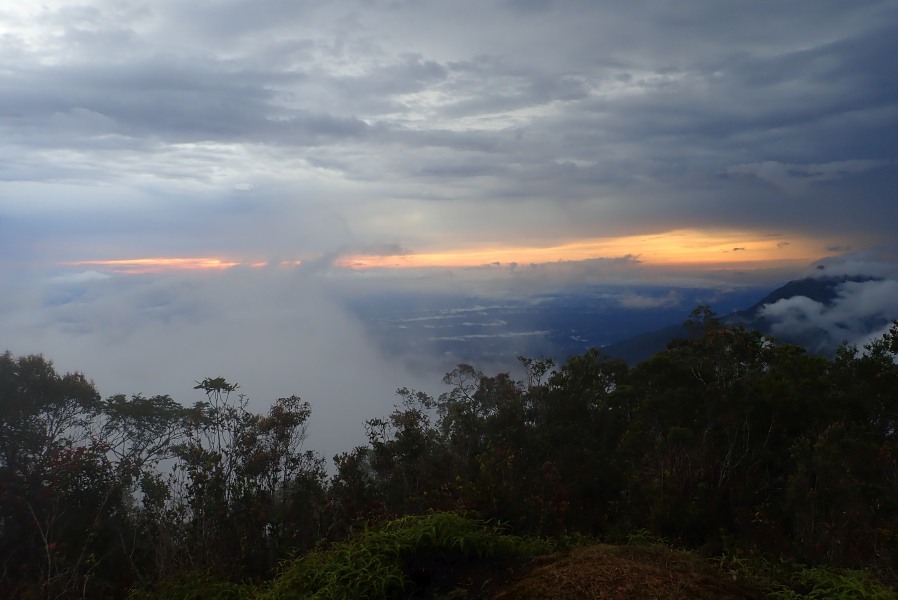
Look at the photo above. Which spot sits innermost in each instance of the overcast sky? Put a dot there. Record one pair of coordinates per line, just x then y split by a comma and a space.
662, 139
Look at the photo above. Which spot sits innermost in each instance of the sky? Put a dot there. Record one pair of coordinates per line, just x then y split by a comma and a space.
189, 187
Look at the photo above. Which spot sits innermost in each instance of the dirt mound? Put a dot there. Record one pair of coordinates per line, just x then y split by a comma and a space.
623, 572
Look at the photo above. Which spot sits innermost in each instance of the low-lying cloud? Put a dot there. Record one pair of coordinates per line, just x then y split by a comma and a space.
860, 312
274, 331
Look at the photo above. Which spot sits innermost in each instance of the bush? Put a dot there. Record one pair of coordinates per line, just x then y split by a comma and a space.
400, 556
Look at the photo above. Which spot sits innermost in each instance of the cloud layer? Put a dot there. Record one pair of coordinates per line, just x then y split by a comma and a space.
275, 332
862, 309
277, 128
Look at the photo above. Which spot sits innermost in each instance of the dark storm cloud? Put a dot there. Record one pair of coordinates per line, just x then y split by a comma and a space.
789, 107
163, 100
700, 113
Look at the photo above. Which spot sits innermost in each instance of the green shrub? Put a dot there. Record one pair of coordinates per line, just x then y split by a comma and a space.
643, 537
383, 562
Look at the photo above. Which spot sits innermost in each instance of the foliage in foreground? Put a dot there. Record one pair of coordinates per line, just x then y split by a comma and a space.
399, 557
404, 554
784, 580
198, 585
424, 556
726, 442
833, 584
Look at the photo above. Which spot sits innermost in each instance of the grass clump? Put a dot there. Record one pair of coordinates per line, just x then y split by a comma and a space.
196, 585
833, 584
643, 537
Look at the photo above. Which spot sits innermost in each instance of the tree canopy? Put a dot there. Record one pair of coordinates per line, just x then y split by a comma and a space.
725, 440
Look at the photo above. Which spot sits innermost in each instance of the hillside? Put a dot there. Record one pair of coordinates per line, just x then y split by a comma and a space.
448, 556
823, 292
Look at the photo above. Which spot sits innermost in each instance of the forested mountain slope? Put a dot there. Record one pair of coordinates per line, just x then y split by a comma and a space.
787, 314
725, 443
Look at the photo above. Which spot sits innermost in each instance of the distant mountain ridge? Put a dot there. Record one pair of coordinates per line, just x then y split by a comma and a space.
818, 289
823, 290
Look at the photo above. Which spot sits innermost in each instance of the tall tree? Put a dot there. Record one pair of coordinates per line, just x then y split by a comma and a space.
61, 498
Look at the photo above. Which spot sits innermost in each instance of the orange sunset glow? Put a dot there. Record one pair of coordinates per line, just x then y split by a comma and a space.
682, 248
156, 265
675, 248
